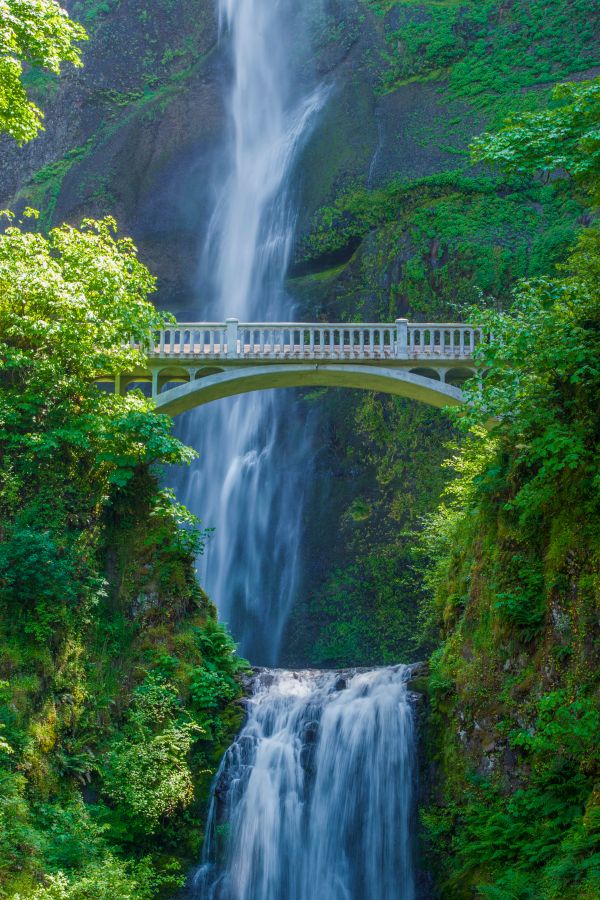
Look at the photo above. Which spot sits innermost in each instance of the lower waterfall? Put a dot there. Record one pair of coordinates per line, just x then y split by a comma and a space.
314, 800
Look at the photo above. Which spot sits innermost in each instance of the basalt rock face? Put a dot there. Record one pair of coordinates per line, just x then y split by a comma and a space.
136, 132
131, 133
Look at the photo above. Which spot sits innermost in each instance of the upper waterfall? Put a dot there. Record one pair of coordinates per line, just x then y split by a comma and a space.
250, 481
251, 230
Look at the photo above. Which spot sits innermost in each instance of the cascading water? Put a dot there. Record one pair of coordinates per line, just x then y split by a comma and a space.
254, 451
314, 801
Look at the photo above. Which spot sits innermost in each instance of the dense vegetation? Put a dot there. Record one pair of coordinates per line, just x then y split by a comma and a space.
489, 50
511, 557
515, 566
117, 682
118, 687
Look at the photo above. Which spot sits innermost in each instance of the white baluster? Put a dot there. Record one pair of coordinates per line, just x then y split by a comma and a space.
402, 338
232, 337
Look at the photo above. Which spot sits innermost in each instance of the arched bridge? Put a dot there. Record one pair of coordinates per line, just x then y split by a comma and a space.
192, 363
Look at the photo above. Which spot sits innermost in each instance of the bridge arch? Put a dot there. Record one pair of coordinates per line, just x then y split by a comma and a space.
241, 380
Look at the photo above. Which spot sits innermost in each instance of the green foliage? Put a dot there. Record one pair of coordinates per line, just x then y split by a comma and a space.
148, 777
38, 33
42, 582
564, 138
520, 600
565, 732
71, 302
487, 49
358, 210
98, 593
515, 682
214, 683
106, 880
542, 375
436, 244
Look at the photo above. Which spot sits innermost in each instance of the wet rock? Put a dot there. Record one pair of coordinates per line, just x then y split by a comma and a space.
310, 732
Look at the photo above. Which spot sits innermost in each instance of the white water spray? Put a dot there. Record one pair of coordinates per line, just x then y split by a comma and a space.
254, 451
314, 801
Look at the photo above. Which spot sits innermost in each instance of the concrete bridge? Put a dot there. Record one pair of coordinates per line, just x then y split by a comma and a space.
193, 363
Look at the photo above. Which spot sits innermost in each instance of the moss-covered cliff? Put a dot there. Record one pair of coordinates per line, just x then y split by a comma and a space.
513, 735
111, 731
514, 576
118, 687
411, 227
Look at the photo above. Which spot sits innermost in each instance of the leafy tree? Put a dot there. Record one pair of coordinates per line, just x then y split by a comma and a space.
69, 305
70, 302
564, 138
543, 366
543, 376
37, 33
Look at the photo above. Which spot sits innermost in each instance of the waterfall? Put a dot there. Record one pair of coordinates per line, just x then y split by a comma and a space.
314, 801
254, 451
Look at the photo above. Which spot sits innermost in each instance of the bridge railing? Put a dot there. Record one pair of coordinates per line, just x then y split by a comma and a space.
233, 339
